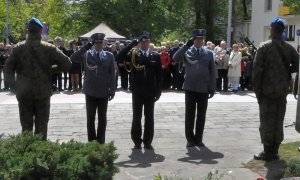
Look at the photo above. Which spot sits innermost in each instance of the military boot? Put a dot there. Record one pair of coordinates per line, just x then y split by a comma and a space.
266, 154
275, 152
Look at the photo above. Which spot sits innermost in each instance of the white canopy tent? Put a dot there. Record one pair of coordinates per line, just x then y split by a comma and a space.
110, 34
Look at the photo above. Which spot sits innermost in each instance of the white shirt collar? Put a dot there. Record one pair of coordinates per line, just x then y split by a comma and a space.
147, 52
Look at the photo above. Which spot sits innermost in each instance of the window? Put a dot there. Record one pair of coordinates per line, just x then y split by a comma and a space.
290, 32
268, 5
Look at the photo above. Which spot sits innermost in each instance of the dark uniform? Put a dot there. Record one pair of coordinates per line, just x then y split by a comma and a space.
146, 89
274, 62
32, 60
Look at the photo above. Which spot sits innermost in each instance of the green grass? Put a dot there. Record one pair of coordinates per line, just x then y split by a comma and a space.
287, 166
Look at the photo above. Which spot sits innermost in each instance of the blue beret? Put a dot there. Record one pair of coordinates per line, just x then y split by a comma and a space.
35, 21
98, 37
278, 21
198, 33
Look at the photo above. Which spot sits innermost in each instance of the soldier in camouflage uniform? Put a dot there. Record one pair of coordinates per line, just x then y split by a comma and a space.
33, 61
274, 62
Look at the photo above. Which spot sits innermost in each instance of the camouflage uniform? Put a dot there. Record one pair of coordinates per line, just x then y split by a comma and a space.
274, 62
32, 60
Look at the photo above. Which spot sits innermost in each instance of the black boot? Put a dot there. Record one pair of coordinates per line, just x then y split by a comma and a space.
265, 155
274, 155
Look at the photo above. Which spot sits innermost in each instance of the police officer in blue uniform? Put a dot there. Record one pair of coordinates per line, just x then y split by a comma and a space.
199, 84
99, 83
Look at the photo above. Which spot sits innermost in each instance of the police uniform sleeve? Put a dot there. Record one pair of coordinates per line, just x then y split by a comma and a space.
61, 60
179, 55
258, 69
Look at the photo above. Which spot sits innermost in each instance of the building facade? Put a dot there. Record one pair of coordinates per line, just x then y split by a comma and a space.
263, 11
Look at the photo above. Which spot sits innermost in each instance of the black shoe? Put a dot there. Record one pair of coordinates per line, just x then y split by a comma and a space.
200, 144
137, 146
265, 157
190, 144
149, 147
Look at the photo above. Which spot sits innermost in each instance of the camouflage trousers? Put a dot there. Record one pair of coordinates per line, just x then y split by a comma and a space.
271, 112
34, 112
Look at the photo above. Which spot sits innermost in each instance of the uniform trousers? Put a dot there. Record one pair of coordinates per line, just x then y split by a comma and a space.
271, 113
195, 101
34, 112
94, 104
138, 102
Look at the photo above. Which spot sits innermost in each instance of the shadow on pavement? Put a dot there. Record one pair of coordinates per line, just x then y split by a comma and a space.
138, 159
202, 155
276, 169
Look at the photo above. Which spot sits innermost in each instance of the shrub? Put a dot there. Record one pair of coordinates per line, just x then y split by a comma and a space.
27, 156
293, 168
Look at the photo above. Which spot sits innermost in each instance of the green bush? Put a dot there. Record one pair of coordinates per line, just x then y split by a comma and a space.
293, 168
27, 156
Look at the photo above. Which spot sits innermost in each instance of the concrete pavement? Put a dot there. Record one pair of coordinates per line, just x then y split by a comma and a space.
231, 133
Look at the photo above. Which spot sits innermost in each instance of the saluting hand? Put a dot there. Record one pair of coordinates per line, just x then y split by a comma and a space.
88, 45
190, 42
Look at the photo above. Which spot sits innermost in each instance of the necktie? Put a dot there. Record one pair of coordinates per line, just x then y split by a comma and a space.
198, 51
145, 54
98, 56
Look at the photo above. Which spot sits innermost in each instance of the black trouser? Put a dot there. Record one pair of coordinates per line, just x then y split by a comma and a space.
124, 77
1, 70
166, 78
174, 76
242, 81
93, 104
222, 75
136, 130
57, 80
34, 111
80, 80
193, 100
271, 113
248, 82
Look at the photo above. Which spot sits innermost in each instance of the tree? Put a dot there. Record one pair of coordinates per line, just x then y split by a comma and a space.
294, 6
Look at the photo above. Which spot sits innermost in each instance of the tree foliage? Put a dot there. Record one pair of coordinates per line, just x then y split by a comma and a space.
294, 6
163, 18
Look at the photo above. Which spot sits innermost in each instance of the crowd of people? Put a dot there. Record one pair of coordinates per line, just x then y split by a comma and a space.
233, 65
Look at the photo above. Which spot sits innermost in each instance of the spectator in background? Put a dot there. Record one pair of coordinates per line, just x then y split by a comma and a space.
234, 71
76, 67
165, 62
8, 51
222, 57
2, 61
57, 77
